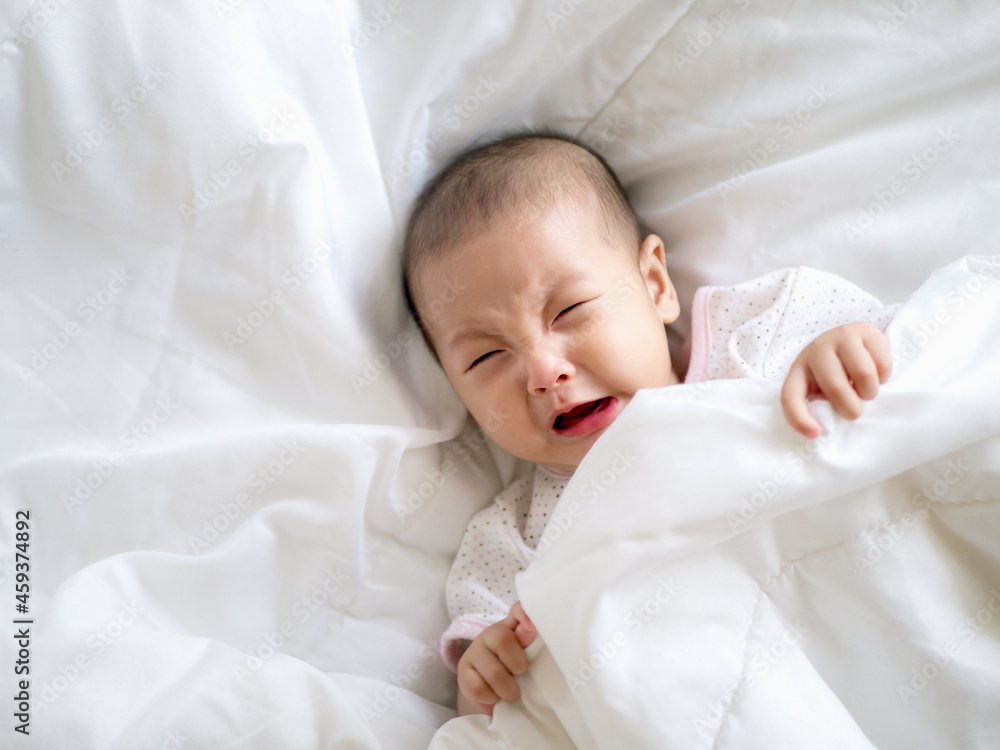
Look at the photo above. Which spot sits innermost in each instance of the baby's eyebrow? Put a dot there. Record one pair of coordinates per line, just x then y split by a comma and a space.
564, 280
557, 284
464, 335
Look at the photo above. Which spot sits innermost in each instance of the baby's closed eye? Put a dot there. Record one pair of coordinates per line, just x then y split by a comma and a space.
571, 307
577, 307
483, 358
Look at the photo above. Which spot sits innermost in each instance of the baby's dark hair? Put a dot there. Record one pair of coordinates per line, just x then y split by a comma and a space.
514, 177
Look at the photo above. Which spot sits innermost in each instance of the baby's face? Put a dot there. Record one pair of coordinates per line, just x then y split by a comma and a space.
546, 332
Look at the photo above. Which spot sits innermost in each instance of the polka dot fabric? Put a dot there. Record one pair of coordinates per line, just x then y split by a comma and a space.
756, 329
499, 543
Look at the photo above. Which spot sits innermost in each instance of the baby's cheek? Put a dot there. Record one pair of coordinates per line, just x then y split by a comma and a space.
498, 419
523, 444
644, 359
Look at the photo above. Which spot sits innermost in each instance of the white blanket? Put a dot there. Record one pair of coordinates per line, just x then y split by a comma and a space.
712, 580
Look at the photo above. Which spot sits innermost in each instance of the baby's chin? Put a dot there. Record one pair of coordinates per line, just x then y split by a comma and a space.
565, 460
562, 460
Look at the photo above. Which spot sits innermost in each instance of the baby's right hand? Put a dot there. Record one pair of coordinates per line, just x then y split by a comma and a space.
487, 669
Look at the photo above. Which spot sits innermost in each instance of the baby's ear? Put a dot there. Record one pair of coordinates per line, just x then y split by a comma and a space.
653, 267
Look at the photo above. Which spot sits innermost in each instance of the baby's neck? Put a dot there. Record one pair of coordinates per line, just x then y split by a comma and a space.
557, 472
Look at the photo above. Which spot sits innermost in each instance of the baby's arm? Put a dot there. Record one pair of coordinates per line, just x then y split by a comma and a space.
487, 669
845, 364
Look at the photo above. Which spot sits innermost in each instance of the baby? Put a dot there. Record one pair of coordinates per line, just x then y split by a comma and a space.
544, 299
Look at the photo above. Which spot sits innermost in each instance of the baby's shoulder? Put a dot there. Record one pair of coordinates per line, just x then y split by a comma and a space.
506, 502
519, 486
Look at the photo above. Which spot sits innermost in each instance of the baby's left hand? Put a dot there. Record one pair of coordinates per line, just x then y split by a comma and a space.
844, 365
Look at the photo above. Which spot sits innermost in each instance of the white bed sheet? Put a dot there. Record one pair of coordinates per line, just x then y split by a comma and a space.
214, 406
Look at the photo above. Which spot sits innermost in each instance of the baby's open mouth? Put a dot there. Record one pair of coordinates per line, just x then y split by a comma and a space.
577, 414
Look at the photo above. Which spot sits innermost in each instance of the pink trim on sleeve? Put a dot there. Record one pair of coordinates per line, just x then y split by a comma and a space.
462, 628
698, 364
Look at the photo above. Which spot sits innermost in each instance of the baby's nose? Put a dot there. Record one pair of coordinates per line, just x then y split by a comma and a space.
547, 368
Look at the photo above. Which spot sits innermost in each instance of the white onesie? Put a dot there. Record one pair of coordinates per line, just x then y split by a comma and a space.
754, 329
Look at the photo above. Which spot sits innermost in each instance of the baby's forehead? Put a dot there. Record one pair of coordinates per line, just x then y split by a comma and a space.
562, 215
548, 232
538, 269
561, 233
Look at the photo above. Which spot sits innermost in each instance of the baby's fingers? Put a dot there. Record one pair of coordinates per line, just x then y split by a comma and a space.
833, 382
524, 629
878, 347
505, 648
498, 679
794, 404
861, 367
474, 687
